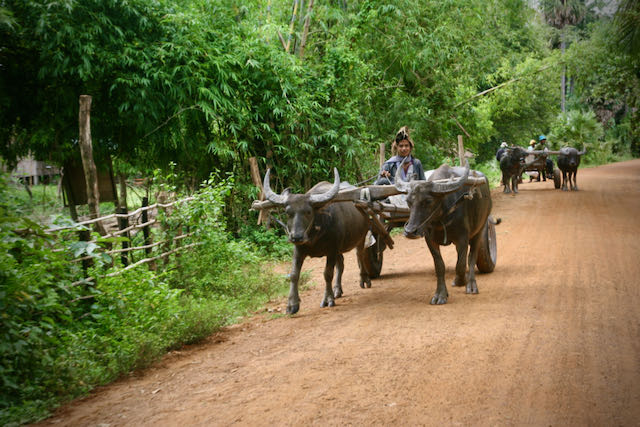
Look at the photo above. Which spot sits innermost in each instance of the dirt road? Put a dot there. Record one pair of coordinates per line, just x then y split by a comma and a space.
553, 338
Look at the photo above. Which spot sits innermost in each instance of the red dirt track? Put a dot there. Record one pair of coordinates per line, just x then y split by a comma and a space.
553, 337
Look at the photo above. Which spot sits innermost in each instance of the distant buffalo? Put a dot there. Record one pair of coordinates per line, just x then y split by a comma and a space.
568, 162
511, 165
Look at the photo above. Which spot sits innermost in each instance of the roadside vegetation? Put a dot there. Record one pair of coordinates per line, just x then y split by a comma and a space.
185, 89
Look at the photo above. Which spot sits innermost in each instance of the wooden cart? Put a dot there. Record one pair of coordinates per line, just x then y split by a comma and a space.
536, 161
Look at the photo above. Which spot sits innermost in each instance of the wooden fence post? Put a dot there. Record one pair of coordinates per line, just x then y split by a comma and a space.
145, 231
256, 178
88, 165
122, 224
163, 198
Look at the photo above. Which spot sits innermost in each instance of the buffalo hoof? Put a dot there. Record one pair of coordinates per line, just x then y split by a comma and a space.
472, 287
564, 189
458, 282
438, 299
293, 308
327, 303
365, 283
337, 292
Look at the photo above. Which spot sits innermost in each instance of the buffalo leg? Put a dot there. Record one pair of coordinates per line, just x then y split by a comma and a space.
441, 294
505, 181
575, 182
328, 300
564, 180
514, 183
462, 248
294, 299
337, 285
472, 286
365, 280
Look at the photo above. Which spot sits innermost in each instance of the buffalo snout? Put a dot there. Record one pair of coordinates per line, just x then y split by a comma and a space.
295, 239
411, 232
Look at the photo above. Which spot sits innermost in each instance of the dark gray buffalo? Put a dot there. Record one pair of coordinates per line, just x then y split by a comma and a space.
511, 165
319, 228
453, 206
568, 162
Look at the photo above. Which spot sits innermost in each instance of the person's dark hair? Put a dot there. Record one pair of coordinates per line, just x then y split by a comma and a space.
401, 135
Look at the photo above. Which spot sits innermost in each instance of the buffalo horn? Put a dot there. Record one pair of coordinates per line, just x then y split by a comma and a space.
402, 186
453, 185
584, 150
318, 199
277, 199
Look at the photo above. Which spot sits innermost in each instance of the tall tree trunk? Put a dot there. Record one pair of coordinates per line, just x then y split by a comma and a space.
305, 33
291, 26
90, 172
563, 100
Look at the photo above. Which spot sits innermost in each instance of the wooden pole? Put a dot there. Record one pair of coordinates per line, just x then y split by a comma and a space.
122, 224
145, 231
484, 92
88, 165
460, 150
382, 154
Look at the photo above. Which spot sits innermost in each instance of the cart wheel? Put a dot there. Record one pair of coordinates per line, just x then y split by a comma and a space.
488, 251
557, 180
373, 257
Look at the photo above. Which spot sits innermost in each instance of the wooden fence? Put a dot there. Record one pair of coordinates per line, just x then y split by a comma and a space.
127, 224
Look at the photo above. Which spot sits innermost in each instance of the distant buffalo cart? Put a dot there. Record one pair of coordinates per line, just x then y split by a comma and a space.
538, 161
452, 206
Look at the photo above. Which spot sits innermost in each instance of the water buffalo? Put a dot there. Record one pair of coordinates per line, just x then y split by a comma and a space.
511, 165
452, 206
568, 162
319, 228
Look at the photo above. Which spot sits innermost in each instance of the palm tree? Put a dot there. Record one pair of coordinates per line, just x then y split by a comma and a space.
628, 26
560, 14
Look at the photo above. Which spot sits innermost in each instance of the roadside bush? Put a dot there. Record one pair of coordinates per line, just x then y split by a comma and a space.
576, 129
60, 337
271, 243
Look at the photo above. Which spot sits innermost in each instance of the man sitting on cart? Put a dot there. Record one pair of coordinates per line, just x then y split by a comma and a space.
402, 165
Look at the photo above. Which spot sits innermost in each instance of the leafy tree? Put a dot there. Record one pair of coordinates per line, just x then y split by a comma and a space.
561, 14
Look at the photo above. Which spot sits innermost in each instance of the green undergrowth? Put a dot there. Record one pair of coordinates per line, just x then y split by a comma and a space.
60, 337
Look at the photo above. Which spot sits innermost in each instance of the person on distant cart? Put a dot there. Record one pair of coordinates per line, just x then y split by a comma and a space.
542, 145
402, 165
501, 150
532, 144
